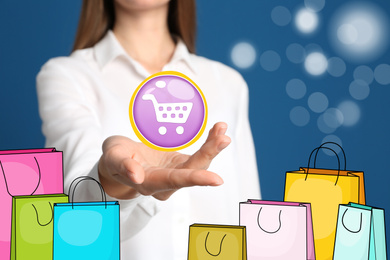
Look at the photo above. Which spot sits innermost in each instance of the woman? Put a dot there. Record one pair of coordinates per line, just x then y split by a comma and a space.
83, 102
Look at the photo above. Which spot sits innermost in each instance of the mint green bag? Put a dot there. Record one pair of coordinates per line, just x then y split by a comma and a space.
360, 233
32, 226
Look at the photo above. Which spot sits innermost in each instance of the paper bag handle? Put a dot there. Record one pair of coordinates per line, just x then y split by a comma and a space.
352, 231
220, 245
338, 160
39, 177
52, 214
269, 232
345, 157
85, 178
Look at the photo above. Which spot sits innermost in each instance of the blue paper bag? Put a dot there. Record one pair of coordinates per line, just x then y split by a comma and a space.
360, 233
86, 230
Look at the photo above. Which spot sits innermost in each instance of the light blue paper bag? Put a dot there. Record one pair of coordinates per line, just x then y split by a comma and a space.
86, 230
360, 233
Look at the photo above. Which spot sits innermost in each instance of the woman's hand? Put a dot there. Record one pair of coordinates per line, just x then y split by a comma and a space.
128, 169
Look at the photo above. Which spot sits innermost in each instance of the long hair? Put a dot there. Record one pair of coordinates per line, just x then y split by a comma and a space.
97, 17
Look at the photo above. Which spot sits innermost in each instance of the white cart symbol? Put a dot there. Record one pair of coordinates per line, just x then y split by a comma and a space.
170, 113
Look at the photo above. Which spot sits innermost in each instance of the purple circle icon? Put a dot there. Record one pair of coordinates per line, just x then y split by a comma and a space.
168, 111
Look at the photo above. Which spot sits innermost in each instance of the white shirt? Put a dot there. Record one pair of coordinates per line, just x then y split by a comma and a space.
84, 98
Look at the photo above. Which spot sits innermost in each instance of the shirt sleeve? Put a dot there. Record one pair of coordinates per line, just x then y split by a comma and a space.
249, 185
71, 124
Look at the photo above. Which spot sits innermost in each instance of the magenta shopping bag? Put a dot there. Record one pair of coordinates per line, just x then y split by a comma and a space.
26, 172
278, 230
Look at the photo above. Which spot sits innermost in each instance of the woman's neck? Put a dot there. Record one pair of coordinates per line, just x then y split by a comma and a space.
145, 36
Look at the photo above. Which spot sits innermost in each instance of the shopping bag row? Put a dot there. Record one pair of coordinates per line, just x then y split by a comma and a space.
52, 226
283, 230
38, 221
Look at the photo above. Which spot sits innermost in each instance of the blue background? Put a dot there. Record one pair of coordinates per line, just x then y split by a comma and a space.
34, 31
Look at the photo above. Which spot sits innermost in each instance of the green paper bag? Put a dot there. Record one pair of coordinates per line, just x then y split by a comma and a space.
32, 226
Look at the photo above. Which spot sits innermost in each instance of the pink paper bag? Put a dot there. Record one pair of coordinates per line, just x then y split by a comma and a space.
278, 230
26, 172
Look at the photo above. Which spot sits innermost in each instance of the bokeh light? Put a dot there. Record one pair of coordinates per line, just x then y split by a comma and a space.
359, 32
315, 5
270, 60
299, 116
306, 20
382, 74
295, 53
296, 88
243, 55
281, 16
318, 102
359, 89
350, 111
316, 63
335, 139
364, 73
336, 67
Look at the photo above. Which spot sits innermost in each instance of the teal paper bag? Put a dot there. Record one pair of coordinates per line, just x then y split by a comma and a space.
32, 226
86, 230
360, 233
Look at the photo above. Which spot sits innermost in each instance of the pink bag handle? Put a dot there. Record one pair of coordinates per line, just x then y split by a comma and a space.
39, 178
269, 232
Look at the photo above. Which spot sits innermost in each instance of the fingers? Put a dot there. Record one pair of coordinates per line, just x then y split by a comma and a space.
160, 180
215, 143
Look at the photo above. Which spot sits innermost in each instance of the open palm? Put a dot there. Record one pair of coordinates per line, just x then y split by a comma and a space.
128, 168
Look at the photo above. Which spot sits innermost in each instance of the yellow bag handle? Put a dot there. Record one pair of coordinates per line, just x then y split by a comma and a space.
338, 160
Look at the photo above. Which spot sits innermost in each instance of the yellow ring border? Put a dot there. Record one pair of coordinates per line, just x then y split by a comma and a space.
146, 141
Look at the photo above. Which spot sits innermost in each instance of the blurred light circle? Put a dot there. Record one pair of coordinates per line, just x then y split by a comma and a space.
364, 73
359, 89
243, 55
295, 53
318, 102
335, 139
323, 127
306, 20
359, 31
351, 113
316, 63
281, 16
336, 67
315, 5
333, 118
296, 88
270, 60
299, 116
382, 74
347, 34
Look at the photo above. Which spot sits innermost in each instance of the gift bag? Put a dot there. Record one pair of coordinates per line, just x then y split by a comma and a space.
278, 230
215, 242
26, 172
86, 230
32, 226
360, 233
325, 189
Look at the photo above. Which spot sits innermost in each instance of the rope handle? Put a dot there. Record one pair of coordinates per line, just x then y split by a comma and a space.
345, 157
352, 231
269, 232
52, 215
220, 245
338, 160
5, 178
78, 180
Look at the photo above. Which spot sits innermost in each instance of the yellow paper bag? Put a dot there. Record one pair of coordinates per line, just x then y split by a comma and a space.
216, 242
325, 190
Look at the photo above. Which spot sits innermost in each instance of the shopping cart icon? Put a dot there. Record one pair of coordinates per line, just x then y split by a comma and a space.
170, 113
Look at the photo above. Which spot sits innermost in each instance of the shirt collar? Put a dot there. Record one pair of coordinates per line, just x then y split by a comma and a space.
109, 48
